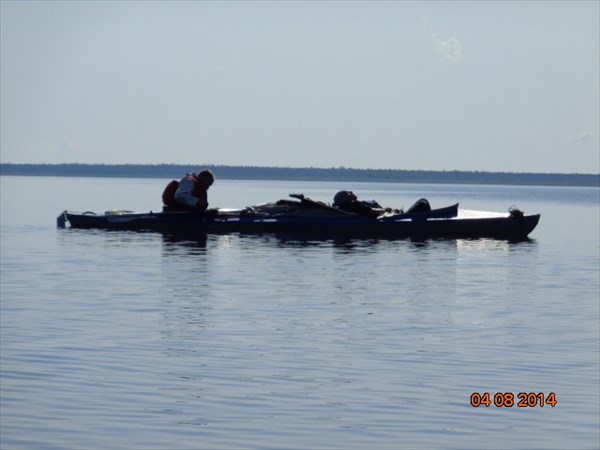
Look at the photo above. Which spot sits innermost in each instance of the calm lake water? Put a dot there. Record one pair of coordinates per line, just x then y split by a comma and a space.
118, 340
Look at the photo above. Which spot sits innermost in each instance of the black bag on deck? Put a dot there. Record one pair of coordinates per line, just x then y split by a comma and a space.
421, 205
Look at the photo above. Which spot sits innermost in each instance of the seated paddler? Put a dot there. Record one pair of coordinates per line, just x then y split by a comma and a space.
347, 201
190, 193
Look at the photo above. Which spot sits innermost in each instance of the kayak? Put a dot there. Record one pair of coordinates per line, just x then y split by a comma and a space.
317, 219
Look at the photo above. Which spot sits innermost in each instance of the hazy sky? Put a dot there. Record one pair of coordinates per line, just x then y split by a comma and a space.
500, 86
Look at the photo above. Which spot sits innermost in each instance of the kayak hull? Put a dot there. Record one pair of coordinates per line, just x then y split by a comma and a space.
493, 226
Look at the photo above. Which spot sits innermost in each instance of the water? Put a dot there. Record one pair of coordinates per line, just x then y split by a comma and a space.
113, 340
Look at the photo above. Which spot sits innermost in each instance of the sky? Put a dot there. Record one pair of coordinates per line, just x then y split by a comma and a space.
476, 85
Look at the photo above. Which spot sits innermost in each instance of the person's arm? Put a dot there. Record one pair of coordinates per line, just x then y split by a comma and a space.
363, 209
372, 208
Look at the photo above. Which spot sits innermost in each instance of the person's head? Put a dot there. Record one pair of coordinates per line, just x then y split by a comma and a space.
344, 197
206, 178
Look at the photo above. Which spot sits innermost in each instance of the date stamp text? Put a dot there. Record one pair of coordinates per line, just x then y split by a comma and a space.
508, 399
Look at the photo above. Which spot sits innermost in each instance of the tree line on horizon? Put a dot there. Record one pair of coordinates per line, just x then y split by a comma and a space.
176, 171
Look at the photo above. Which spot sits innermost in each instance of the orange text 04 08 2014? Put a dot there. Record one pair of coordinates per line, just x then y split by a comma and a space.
508, 399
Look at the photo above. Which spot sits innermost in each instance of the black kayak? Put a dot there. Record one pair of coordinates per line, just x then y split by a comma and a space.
315, 219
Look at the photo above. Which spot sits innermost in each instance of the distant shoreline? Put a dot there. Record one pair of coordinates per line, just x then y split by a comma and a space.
175, 171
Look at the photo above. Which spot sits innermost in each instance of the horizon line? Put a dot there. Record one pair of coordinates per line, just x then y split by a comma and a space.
298, 168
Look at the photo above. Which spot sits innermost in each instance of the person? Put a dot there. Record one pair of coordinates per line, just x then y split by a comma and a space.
347, 201
192, 192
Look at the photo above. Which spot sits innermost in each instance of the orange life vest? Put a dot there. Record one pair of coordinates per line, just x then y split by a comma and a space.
168, 195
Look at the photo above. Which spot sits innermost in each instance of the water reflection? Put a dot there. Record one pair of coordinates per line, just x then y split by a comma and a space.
496, 244
193, 243
197, 243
